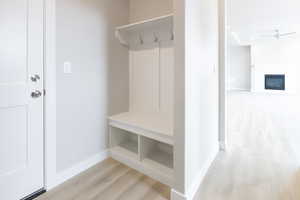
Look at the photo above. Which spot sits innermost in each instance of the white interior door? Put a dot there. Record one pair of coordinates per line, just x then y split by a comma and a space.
21, 99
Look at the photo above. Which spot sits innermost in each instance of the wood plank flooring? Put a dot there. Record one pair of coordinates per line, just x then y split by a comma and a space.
262, 162
109, 180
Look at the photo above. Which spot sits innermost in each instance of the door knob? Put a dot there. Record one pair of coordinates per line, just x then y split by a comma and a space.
35, 78
36, 94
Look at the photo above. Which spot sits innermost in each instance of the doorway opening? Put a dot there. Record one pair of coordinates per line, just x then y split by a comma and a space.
261, 91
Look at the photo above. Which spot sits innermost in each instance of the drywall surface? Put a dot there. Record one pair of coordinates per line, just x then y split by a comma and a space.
147, 9
239, 67
201, 85
98, 84
152, 80
179, 100
276, 57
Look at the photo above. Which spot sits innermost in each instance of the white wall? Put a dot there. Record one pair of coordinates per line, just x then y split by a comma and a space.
201, 89
97, 87
239, 67
276, 57
147, 9
250, 18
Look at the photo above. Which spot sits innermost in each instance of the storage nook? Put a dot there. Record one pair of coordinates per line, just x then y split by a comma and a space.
142, 138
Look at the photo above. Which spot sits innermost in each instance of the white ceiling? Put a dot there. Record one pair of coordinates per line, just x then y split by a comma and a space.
248, 19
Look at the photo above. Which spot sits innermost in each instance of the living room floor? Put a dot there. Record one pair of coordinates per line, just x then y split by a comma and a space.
262, 160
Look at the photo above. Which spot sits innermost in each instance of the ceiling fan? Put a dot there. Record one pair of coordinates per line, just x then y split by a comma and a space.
277, 34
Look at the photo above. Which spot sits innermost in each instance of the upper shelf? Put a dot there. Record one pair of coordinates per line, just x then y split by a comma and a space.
146, 32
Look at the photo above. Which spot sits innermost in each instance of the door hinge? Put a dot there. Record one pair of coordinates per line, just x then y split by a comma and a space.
44, 92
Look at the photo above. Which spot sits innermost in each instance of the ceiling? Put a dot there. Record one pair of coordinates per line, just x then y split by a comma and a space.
249, 19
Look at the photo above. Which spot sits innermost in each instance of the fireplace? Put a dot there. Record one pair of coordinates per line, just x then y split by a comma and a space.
275, 82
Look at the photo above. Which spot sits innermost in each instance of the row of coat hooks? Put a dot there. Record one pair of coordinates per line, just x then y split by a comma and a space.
156, 38
146, 32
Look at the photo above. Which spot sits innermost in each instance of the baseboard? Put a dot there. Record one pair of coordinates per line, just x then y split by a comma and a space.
222, 145
200, 176
175, 195
238, 90
67, 174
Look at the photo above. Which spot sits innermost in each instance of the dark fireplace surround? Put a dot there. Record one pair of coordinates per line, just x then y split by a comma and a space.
275, 81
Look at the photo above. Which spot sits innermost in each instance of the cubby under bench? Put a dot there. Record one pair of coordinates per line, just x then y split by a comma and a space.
144, 142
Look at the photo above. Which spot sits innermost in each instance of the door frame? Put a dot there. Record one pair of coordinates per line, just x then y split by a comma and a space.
50, 172
223, 136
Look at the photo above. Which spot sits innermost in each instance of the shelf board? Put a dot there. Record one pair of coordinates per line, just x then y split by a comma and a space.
148, 167
162, 158
155, 166
154, 126
166, 19
119, 150
158, 24
130, 145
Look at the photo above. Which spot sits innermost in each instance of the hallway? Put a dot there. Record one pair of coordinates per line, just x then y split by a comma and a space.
262, 162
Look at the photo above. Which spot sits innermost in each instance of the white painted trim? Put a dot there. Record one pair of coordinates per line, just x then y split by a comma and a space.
143, 132
175, 195
79, 168
156, 171
155, 24
222, 74
50, 98
223, 146
201, 175
238, 89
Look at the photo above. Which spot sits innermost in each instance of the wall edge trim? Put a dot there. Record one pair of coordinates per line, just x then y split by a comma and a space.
78, 168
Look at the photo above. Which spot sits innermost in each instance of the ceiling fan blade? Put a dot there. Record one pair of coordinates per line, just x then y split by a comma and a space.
267, 36
287, 34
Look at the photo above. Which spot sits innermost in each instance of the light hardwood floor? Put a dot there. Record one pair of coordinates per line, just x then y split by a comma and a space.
109, 180
262, 162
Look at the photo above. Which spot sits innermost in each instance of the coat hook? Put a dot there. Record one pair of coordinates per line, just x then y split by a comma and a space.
172, 35
155, 37
141, 39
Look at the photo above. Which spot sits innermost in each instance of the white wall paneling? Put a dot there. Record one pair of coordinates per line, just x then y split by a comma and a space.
151, 80
144, 80
166, 75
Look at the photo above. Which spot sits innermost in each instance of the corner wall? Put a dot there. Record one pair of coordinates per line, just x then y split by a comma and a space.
96, 87
239, 68
196, 93
202, 90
